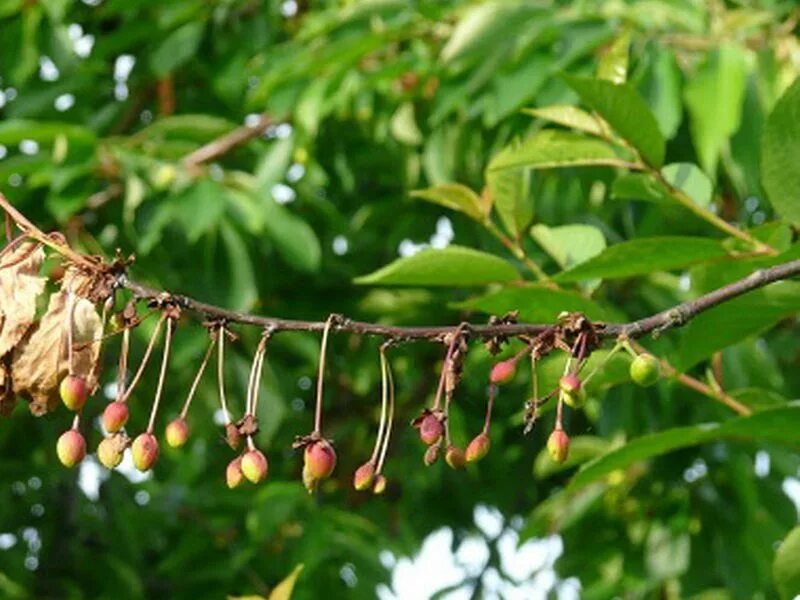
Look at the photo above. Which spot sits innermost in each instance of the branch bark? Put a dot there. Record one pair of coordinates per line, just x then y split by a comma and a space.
667, 319
224, 144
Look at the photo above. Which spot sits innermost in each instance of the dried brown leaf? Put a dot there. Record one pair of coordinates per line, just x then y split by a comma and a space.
40, 361
20, 286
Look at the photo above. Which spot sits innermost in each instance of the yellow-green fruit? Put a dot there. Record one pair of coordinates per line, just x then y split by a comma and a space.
233, 473
109, 452
74, 392
71, 448
144, 451
478, 448
363, 477
455, 457
558, 445
177, 432
320, 459
254, 465
380, 485
115, 416
645, 369
309, 481
574, 399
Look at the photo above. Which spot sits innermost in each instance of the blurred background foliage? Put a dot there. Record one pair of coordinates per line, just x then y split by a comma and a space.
101, 102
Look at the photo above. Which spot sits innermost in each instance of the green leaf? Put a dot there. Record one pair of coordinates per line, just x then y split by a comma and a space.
735, 320
450, 266
199, 208
613, 65
626, 112
242, 289
404, 127
691, 181
661, 90
294, 239
780, 154
509, 195
568, 116
569, 245
537, 303
550, 149
778, 425
177, 48
644, 256
714, 96
457, 197
786, 566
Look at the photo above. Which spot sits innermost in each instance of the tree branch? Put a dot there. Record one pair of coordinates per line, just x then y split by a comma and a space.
224, 144
666, 319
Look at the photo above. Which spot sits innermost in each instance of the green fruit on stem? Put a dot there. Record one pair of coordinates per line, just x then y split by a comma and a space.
645, 370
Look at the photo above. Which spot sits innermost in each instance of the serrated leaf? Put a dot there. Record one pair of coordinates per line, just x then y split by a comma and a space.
457, 197
508, 190
780, 154
569, 245
625, 110
646, 255
714, 97
786, 566
568, 116
450, 266
551, 149
778, 425
732, 321
537, 304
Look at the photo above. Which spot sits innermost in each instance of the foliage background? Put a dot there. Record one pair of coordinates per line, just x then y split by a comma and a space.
101, 99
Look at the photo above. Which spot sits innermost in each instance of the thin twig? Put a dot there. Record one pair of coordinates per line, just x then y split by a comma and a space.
224, 144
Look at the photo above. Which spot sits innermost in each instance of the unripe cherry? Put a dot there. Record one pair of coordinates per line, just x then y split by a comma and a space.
503, 372
570, 383
110, 451
478, 447
144, 451
254, 465
379, 486
74, 391
233, 473
115, 416
363, 477
430, 429
572, 391
645, 369
455, 457
71, 448
177, 432
232, 436
320, 457
431, 455
558, 445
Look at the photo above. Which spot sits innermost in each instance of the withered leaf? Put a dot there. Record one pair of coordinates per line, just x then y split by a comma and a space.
40, 361
20, 286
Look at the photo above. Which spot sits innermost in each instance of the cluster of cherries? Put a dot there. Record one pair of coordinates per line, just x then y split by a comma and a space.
319, 456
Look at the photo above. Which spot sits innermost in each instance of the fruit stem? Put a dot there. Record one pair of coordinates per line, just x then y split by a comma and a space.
255, 376
148, 351
76, 421
162, 374
384, 403
198, 377
123, 362
390, 384
489, 405
617, 347
221, 373
323, 349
